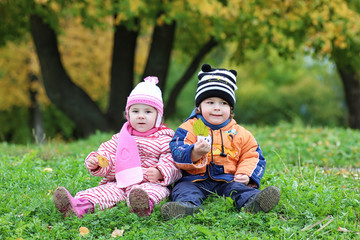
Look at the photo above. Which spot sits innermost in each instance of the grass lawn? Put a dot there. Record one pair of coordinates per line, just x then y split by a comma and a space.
316, 169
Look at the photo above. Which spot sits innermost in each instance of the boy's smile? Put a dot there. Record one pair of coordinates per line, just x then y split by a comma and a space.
215, 110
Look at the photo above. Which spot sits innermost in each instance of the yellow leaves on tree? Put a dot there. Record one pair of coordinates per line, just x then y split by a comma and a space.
332, 30
17, 62
135, 6
87, 57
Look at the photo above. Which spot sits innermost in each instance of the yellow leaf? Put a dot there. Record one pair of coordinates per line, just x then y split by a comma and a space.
200, 129
47, 169
84, 231
340, 229
117, 233
103, 162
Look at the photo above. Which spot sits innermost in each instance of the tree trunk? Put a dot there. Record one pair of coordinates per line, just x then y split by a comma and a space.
160, 52
175, 92
122, 74
351, 84
65, 95
36, 120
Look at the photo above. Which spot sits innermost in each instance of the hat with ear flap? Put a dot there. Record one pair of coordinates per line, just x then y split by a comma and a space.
147, 92
216, 82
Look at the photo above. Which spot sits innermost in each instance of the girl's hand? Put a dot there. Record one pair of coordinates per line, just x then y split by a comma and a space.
154, 174
241, 178
92, 163
200, 148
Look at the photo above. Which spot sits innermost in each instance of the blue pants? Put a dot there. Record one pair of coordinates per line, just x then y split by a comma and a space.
197, 192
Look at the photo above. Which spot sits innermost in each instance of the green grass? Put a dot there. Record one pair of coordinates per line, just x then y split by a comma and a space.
315, 168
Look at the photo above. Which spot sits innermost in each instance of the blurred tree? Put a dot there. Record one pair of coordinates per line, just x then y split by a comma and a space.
193, 26
324, 29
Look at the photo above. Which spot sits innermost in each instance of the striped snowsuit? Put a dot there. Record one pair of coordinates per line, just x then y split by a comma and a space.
154, 151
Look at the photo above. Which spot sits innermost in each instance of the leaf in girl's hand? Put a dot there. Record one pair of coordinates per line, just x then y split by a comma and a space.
200, 129
84, 231
103, 162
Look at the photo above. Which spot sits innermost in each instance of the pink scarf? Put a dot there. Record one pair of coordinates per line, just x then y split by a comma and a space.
128, 169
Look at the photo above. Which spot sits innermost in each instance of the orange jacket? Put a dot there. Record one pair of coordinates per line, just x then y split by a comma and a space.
243, 154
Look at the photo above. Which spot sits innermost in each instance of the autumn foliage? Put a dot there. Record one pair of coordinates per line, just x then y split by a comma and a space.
85, 38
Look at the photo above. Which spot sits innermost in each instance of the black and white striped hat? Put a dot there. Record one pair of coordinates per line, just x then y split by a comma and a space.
216, 82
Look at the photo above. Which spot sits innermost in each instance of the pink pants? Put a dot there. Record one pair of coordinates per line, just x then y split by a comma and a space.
108, 195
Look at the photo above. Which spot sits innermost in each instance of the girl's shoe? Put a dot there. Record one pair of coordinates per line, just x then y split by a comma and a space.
140, 202
68, 205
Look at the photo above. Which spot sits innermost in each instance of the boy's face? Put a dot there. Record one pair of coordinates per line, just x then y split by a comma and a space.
215, 110
142, 117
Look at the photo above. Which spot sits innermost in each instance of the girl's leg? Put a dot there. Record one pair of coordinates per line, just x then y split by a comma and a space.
143, 197
68, 205
103, 196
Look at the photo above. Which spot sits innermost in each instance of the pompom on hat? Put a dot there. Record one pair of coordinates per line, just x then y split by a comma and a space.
147, 92
216, 82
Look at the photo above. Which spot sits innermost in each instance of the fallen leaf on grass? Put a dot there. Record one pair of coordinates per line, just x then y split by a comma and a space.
103, 162
340, 229
84, 231
117, 233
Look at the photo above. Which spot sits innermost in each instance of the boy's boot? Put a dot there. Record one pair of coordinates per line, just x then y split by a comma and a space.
263, 201
178, 209
68, 205
140, 202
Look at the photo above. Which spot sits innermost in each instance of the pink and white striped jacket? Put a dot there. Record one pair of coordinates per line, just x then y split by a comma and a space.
154, 151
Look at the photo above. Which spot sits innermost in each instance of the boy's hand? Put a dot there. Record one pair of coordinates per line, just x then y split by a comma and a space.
200, 148
92, 163
241, 178
153, 174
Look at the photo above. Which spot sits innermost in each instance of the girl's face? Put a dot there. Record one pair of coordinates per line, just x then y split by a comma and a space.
142, 117
215, 110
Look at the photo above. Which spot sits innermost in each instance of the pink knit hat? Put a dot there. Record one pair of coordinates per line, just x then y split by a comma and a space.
147, 92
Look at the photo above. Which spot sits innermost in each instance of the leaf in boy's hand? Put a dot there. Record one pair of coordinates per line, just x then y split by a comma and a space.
117, 233
200, 129
103, 162
84, 231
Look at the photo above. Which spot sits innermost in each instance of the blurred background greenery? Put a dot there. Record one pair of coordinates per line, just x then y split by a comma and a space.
293, 59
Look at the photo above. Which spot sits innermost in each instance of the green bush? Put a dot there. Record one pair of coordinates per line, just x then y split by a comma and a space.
15, 125
275, 90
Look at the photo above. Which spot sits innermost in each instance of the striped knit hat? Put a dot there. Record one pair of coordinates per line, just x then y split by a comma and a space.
148, 93
216, 82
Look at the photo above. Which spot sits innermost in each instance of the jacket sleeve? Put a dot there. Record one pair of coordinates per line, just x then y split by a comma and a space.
108, 150
181, 146
167, 166
251, 162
